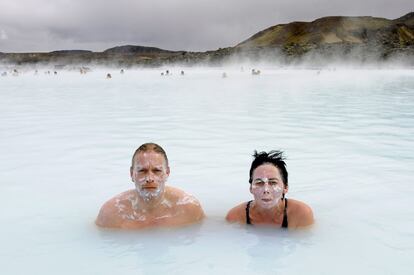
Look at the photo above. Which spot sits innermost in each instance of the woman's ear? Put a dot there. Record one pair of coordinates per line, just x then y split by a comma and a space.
285, 189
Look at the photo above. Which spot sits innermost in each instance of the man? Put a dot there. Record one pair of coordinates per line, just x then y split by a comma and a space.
269, 185
151, 203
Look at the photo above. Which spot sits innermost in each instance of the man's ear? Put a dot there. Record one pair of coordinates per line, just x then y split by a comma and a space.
131, 171
251, 188
168, 170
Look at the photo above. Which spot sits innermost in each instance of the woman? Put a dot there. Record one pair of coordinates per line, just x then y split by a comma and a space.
269, 185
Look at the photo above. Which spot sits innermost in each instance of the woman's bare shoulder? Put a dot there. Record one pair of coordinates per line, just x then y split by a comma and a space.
300, 214
237, 213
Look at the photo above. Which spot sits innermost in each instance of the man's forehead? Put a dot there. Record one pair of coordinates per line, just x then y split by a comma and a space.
266, 179
149, 156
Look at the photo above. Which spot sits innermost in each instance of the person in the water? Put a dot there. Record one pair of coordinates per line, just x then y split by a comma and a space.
150, 203
269, 185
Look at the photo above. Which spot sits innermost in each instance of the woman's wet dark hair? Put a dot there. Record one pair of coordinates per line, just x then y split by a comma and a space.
274, 157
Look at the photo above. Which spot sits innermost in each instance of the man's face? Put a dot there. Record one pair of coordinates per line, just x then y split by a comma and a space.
149, 173
267, 186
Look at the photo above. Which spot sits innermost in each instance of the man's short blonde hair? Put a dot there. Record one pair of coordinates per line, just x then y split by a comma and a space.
148, 147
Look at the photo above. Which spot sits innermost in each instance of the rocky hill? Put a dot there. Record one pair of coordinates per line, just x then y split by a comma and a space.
131, 49
324, 40
362, 37
333, 30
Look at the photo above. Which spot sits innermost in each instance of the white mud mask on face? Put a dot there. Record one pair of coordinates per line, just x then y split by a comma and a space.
150, 193
267, 193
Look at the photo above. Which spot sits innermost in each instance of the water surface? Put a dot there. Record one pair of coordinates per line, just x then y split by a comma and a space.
66, 142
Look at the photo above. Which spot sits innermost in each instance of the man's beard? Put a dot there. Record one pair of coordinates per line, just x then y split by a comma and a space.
149, 195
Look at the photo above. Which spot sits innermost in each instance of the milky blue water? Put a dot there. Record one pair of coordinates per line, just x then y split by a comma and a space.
66, 142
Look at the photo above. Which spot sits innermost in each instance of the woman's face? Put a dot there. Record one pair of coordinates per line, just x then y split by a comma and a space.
267, 186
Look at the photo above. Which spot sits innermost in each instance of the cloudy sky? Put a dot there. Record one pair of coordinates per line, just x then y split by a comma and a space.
193, 25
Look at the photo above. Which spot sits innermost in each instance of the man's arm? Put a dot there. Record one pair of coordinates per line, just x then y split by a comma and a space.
107, 216
195, 212
191, 207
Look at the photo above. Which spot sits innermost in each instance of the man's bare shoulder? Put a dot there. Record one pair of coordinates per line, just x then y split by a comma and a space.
180, 197
184, 202
300, 214
237, 213
109, 215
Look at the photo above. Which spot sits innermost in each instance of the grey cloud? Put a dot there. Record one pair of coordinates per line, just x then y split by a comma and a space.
175, 24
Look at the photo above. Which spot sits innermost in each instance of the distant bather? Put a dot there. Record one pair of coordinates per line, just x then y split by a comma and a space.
255, 72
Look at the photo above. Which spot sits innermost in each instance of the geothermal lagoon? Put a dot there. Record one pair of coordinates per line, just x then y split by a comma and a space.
66, 142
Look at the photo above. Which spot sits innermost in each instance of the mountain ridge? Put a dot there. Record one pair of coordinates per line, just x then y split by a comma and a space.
331, 38
335, 29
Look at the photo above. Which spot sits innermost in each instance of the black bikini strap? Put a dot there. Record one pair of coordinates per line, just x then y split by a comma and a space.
247, 212
285, 218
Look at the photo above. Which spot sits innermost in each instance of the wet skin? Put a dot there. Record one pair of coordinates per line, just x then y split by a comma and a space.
267, 207
151, 203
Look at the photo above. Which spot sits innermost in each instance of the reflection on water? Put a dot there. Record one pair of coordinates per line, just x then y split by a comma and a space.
151, 250
269, 252
66, 143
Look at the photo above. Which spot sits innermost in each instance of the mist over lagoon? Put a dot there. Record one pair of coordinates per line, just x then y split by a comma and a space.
359, 41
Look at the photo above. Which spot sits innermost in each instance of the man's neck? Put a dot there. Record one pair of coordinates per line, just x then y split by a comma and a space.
148, 204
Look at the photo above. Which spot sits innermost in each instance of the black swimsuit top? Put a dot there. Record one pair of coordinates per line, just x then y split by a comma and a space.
285, 217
